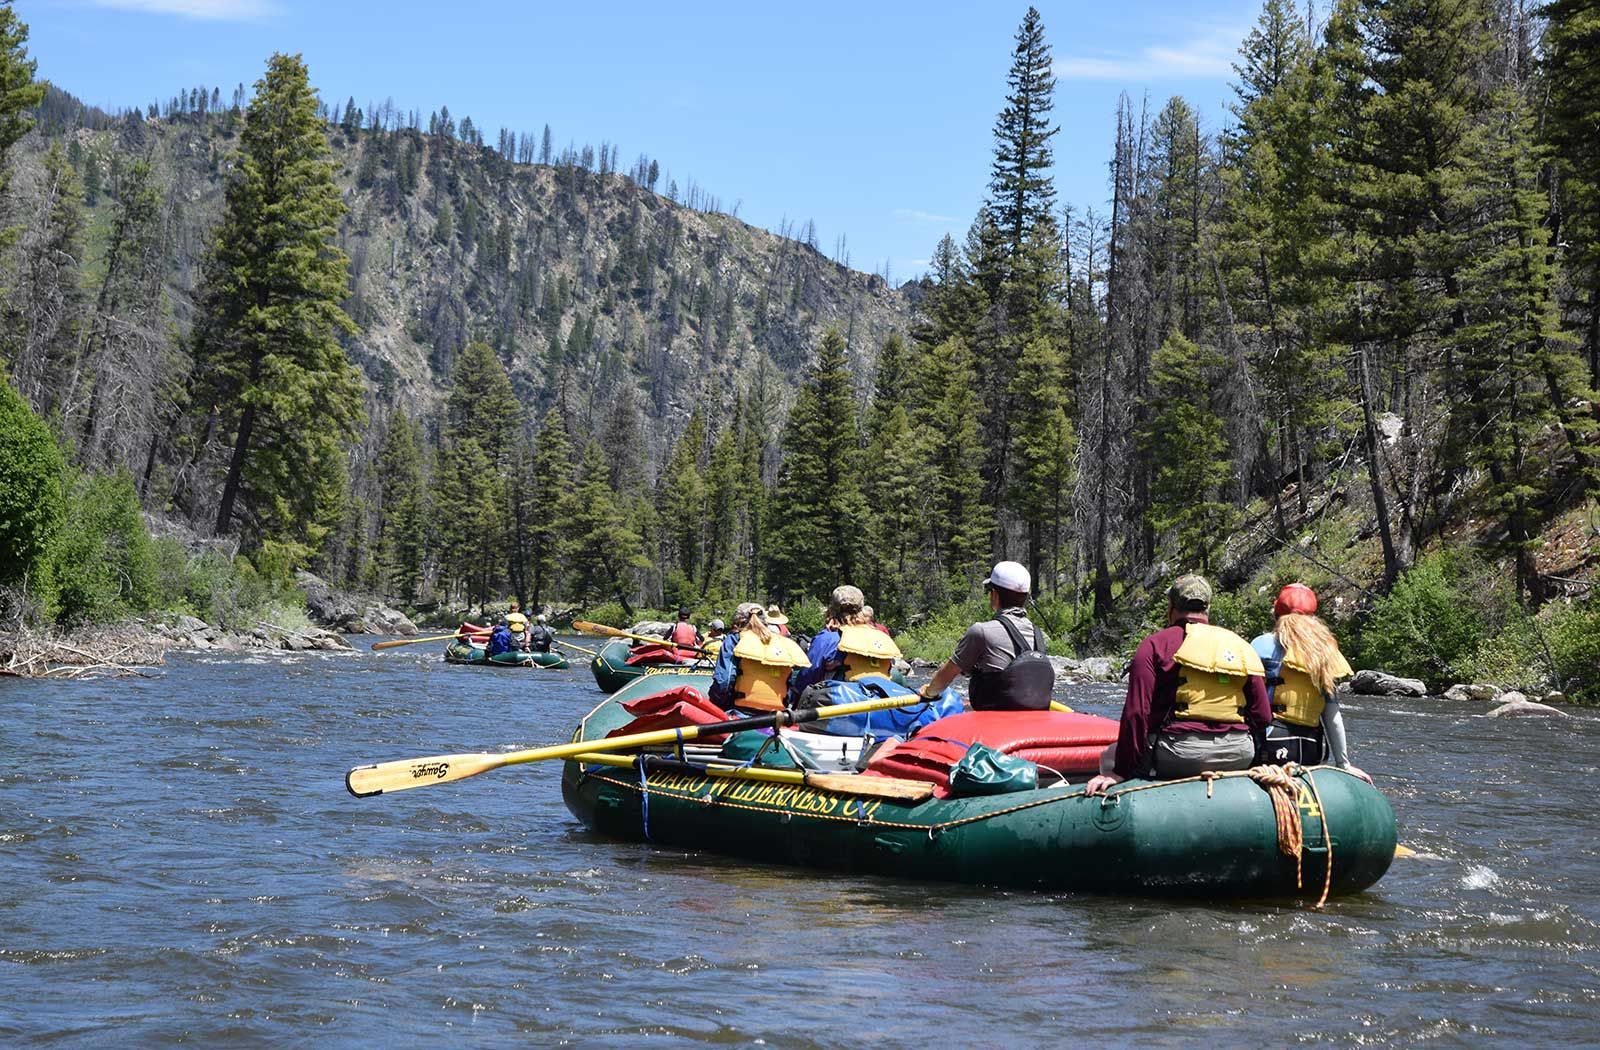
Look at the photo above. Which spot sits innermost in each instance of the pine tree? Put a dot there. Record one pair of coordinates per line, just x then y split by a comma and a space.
481, 405
125, 362
605, 556
959, 523
46, 312
1021, 194
1518, 370
952, 303
19, 93
405, 512
482, 423
817, 509
1572, 127
726, 484
681, 510
1276, 231
1046, 446
266, 343
472, 535
547, 490
889, 384
622, 443
1185, 443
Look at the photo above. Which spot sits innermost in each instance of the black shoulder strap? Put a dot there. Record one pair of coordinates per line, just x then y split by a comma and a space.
1018, 645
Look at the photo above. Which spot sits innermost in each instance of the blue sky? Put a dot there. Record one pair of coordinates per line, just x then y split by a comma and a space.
872, 118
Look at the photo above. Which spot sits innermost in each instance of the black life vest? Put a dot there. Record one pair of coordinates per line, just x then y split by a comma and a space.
1024, 684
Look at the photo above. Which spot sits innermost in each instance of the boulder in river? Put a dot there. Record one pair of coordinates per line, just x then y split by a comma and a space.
1089, 669
654, 628
324, 604
1483, 692
1378, 683
1517, 704
376, 619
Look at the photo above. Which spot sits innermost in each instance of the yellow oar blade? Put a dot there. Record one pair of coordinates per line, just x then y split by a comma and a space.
586, 627
385, 777
1403, 851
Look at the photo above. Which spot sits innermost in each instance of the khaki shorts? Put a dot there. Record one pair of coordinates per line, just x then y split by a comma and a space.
1177, 755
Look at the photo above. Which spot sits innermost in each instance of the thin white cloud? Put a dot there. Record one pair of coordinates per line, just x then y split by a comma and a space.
204, 10
913, 215
1209, 53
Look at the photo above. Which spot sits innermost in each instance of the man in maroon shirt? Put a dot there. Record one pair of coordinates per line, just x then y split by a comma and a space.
1204, 711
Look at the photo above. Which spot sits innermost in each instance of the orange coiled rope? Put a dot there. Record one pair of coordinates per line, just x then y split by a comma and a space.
1278, 781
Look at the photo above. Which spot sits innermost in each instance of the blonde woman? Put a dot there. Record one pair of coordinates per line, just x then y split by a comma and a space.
753, 666
846, 608
1304, 666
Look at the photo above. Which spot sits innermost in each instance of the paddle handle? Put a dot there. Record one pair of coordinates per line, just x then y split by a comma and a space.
604, 631
838, 783
415, 641
399, 775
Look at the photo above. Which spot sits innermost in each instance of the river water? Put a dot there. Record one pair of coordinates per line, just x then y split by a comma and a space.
179, 860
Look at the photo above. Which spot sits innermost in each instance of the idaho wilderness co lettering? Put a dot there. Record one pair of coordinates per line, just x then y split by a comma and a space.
792, 797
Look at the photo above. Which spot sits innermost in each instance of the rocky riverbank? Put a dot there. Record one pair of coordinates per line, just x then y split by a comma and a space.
189, 633
114, 650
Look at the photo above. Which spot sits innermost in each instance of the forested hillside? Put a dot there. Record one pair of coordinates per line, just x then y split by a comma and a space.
613, 304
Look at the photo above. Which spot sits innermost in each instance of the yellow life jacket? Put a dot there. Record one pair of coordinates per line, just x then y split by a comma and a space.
1296, 697
761, 679
1213, 664
866, 650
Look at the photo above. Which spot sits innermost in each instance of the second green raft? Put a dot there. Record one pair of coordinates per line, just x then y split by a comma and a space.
463, 653
1176, 838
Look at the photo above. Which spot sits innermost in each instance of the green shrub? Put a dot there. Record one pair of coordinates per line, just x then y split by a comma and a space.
1573, 633
677, 589
31, 470
1246, 615
935, 638
805, 618
1512, 657
1430, 626
608, 613
101, 565
225, 591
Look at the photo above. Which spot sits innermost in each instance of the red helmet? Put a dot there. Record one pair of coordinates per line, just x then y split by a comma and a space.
1295, 598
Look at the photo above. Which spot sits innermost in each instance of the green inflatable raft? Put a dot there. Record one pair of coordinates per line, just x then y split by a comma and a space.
464, 653
1216, 839
612, 671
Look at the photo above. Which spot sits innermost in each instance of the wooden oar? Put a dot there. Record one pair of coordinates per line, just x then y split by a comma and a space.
580, 648
615, 632
417, 641
404, 773
839, 783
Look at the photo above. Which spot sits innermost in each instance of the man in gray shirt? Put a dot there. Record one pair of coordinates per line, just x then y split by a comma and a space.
988, 653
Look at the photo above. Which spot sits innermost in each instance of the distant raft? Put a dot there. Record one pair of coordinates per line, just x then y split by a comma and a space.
619, 662
459, 652
1320, 832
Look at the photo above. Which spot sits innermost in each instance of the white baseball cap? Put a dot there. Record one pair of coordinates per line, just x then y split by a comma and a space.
1010, 576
